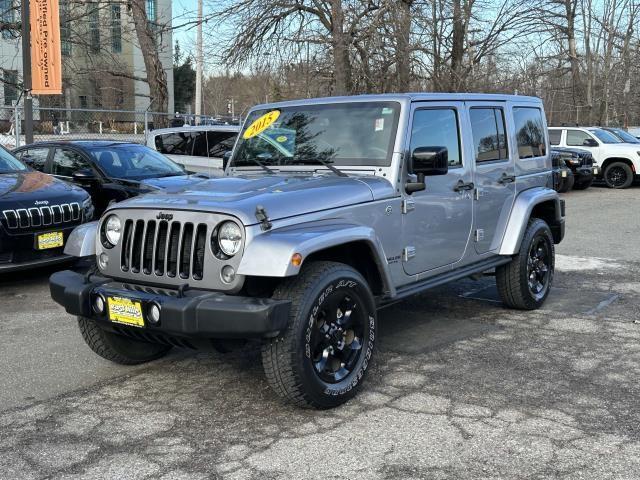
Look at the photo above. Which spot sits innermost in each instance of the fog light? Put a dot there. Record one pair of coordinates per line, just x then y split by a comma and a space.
228, 274
98, 304
103, 261
154, 313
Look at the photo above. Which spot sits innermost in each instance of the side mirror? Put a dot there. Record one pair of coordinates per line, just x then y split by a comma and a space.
430, 161
84, 175
225, 159
589, 142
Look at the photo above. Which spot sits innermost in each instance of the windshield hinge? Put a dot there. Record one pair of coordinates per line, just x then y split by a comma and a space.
263, 218
408, 206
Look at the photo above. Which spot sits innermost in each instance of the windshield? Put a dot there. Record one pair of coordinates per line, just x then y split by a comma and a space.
604, 136
336, 134
9, 163
624, 136
134, 162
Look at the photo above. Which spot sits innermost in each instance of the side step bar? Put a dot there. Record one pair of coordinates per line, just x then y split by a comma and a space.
441, 279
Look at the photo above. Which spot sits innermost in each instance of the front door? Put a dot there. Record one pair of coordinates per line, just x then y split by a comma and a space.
438, 220
577, 139
495, 173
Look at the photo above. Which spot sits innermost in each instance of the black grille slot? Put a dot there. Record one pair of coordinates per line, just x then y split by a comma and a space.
125, 261
147, 253
138, 233
36, 221
23, 218
174, 240
161, 247
47, 217
75, 211
12, 218
186, 246
66, 213
198, 254
57, 214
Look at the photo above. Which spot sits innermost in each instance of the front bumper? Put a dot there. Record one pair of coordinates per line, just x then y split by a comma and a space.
585, 173
195, 314
36, 263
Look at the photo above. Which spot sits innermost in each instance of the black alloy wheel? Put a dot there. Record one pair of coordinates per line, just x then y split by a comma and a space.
539, 267
618, 175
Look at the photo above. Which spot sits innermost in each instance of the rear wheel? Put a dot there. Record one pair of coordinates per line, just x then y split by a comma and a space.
524, 283
321, 358
618, 175
117, 348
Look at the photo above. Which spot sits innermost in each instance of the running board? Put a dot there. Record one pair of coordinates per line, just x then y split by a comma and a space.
441, 279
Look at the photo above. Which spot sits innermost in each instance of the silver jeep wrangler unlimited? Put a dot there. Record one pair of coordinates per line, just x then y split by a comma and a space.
329, 209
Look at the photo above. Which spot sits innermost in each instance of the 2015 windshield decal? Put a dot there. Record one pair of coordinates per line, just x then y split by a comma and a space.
261, 124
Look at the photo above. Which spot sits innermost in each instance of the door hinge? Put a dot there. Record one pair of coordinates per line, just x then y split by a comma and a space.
408, 253
479, 235
408, 206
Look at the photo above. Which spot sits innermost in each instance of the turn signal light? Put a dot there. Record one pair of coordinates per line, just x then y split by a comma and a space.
296, 260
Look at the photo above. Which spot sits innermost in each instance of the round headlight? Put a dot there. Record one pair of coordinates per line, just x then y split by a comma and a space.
229, 238
113, 229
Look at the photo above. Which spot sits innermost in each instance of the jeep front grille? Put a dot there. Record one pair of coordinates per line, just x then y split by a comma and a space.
36, 217
173, 249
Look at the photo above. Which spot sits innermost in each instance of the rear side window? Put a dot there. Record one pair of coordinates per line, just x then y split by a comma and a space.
34, 157
576, 138
555, 136
220, 143
178, 143
437, 127
489, 139
530, 132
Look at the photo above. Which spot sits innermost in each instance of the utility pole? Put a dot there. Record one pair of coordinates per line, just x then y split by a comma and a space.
199, 59
26, 72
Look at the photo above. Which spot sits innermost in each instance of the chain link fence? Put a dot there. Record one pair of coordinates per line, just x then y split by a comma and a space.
93, 124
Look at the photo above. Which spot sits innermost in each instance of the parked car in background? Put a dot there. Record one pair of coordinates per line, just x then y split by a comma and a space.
37, 214
580, 163
618, 162
563, 178
198, 149
110, 171
623, 135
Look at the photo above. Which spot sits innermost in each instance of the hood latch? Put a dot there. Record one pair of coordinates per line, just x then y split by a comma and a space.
263, 218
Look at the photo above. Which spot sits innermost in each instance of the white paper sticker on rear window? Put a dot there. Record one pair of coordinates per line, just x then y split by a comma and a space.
379, 124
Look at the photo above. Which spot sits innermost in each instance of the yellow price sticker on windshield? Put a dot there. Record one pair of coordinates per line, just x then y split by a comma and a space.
261, 124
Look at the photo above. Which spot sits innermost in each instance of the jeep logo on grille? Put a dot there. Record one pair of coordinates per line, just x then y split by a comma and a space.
165, 216
41, 202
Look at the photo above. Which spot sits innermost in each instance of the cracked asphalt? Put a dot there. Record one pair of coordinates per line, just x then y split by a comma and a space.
461, 388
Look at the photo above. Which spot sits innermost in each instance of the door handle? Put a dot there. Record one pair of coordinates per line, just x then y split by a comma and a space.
504, 179
462, 186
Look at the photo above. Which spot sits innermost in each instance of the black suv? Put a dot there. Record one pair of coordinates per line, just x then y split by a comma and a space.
574, 168
37, 214
110, 171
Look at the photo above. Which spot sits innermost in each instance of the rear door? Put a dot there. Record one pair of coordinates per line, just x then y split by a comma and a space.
437, 226
494, 171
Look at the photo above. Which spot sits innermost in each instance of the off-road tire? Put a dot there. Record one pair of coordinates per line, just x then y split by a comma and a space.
566, 183
512, 278
117, 348
583, 185
627, 172
288, 359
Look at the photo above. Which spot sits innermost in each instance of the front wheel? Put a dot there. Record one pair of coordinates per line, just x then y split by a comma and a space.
618, 175
117, 348
321, 358
524, 283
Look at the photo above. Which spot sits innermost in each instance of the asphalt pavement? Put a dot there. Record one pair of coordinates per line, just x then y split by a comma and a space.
461, 388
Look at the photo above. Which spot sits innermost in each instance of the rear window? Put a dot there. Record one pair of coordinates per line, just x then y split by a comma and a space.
530, 132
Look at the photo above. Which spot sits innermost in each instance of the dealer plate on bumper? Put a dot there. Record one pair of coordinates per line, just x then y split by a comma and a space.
45, 241
125, 311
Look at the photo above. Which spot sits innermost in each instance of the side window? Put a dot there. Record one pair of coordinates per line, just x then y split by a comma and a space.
179, 143
34, 157
576, 138
437, 127
489, 140
555, 136
66, 162
220, 142
530, 132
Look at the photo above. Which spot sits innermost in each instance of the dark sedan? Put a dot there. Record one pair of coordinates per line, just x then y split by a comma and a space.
110, 171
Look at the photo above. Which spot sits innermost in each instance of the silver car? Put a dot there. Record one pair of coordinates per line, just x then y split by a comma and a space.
328, 210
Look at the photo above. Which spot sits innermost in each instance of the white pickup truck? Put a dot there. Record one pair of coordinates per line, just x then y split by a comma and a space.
619, 162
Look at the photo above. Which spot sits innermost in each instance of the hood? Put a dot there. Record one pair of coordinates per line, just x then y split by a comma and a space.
173, 184
282, 196
24, 189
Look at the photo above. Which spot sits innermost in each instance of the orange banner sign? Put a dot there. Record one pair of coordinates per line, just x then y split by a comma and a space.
46, 61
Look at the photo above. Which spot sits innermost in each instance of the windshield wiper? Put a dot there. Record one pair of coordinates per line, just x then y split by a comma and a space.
327, 164
263, 166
